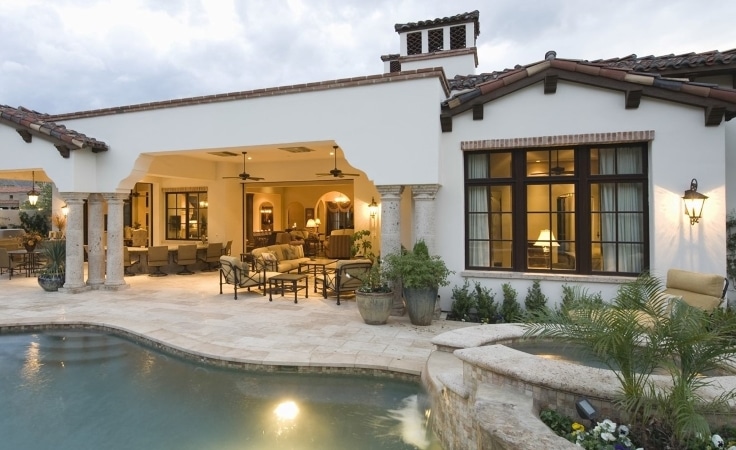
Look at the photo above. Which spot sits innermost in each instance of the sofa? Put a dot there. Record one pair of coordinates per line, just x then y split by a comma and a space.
339, 244
278, 257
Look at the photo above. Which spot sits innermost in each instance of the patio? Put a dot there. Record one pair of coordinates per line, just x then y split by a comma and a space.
189, 314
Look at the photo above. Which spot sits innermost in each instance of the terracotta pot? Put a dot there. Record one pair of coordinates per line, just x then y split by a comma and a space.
374, 307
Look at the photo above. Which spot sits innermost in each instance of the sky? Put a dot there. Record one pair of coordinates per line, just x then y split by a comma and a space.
73, 55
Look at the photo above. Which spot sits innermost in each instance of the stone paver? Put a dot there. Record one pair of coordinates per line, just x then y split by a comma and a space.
188, 313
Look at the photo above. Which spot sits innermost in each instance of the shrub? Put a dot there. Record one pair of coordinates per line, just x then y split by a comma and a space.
463, 302
485, 304
535, 300
510, 308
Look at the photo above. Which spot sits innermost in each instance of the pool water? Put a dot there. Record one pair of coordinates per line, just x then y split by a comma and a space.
81, 390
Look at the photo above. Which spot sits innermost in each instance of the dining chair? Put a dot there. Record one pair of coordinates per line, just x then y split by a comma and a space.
212, 256
128, 262
184, 256
7, 263
228, 248
158, 256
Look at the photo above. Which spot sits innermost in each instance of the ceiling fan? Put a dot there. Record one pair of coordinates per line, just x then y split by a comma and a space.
337, 173
245, 176
557, 169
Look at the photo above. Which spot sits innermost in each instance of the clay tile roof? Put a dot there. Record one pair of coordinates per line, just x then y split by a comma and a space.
671, 63
459, 18
36, 123
595, 73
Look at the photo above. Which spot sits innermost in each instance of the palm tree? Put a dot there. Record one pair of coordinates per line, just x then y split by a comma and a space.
643, 329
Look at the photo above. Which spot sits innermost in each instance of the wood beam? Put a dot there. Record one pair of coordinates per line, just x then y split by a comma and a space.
714, 115
26, 135
633, 98
550, 84
63, 150
478, 111
446, 123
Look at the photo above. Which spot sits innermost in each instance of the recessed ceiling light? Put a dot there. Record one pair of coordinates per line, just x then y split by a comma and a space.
296, 149
222, 154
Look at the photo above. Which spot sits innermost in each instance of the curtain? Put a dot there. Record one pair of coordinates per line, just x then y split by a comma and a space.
621, 210
478, 227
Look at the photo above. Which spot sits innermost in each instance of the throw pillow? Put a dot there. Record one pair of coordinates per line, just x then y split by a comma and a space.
289, 253
298, 251
268, 256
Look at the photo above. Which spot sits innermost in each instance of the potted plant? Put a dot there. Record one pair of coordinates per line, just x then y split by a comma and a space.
421, 275
53, 275
29, 240
374, 296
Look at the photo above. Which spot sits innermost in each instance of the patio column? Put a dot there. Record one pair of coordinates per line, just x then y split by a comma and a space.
95, 248
74, 241
425, 214
115, 271
391, 233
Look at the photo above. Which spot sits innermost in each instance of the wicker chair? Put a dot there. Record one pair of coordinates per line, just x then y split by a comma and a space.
158, 256
212, 256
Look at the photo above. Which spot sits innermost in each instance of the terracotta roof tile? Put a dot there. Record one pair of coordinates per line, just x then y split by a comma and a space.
458, 18
39, 123
672, 62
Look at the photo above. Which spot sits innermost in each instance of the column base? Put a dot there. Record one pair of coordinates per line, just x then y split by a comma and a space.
74, 289
116, 286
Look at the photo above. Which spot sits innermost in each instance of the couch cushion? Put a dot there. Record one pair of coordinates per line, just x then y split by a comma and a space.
701, 301
702, 283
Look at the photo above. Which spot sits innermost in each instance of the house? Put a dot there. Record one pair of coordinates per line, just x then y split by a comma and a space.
561, 170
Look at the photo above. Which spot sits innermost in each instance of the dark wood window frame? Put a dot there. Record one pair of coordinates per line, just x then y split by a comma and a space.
583, 180
186, 220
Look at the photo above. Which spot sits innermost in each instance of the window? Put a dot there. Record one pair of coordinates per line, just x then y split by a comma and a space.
414, 43
457, 37
395, 66
576, 209
187, 215
436, 40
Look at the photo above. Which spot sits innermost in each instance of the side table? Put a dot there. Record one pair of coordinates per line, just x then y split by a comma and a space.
278, 282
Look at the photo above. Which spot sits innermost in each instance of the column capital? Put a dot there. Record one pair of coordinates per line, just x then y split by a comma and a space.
424, 191
389, 191
74, 196
114, 197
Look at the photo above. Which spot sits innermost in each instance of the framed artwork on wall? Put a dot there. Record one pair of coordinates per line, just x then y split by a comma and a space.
308, 214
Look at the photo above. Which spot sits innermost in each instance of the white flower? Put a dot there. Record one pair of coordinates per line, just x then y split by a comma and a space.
717, 441
623, 430
733, 447
607, 425
606, 436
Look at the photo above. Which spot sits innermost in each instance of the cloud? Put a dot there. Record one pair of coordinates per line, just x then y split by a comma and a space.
71, 55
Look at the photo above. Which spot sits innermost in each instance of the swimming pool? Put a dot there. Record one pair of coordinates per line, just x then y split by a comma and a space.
87, 390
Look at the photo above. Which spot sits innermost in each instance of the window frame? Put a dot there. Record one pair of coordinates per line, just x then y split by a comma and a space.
583, 178
194, 227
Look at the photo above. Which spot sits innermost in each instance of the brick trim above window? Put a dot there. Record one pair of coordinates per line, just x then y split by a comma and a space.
615, 137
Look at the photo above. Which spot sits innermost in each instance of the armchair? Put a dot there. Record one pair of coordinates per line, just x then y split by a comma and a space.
237, 273
346, 276
212, 256
186, 255
338, 246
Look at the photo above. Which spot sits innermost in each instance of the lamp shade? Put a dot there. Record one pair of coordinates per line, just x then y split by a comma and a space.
694, 202
311, 223
546, 239
317, 221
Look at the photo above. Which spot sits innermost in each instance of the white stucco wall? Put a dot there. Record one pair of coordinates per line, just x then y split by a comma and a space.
683, 148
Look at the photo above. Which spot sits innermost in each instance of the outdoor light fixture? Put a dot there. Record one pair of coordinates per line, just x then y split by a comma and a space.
33, 194
373, 208
545, 240
65, 209
694, 202
585, 409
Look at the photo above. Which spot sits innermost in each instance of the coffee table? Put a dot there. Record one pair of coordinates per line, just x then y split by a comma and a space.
279, 281
314, 264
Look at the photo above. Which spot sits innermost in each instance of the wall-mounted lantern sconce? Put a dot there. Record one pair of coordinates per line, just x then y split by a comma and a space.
373, 208
65, 209
694, 202
33, 194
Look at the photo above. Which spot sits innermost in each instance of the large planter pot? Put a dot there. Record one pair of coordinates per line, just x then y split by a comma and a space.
51, 282
374, 307
420, 304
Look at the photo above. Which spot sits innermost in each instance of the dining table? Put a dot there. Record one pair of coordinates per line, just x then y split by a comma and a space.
141, 253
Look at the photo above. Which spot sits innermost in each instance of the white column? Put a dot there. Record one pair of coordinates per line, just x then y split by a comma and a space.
95, 247
391, 234
425, 215
115, 271
74, 241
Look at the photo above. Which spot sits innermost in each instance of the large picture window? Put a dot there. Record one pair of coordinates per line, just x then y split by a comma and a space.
578, 209
186, 214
